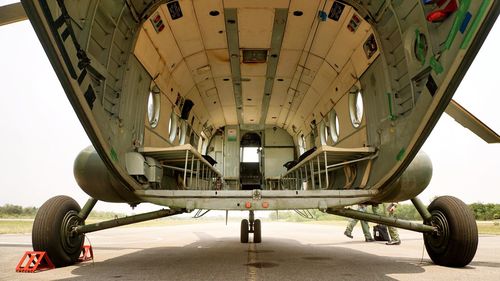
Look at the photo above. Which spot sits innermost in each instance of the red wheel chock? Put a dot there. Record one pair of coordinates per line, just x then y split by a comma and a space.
86, 254
36, 261
33, 261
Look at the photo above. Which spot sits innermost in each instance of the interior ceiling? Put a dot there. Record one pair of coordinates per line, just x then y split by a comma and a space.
200, 54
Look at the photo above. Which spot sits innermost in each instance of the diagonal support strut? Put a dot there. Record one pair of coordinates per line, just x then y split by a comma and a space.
390, 221
81, 229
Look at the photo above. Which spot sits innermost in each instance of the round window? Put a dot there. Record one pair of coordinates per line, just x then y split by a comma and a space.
172, 127
324, 133
334, 126
153, 108
184, 132
302, 144
356, 108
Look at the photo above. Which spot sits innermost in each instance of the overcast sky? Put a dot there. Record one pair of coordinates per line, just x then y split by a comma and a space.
41, 136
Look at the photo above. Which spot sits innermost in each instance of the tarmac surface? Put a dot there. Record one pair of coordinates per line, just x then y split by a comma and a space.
289, 251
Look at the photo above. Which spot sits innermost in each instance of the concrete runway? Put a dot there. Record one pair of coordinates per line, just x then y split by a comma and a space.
289, 251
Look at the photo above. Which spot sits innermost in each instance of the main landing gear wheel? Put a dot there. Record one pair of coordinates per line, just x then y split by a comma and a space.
455, 242
52, 227
244, 231
257, 234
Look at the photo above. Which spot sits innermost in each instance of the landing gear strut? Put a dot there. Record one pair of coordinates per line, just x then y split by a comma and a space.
251, 226
59, 227
449, 229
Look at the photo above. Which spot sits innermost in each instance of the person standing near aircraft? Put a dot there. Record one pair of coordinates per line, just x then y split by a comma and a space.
364, 226
393, 232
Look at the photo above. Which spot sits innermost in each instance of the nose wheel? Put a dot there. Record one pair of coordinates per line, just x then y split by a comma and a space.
251, 226
244, 231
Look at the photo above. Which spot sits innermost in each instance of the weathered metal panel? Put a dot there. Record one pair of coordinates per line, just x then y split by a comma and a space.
232, 151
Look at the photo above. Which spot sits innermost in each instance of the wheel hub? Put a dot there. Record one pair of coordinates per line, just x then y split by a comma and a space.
70, 242
439, 239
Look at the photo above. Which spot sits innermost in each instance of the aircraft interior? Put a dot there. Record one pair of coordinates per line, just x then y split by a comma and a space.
296, 79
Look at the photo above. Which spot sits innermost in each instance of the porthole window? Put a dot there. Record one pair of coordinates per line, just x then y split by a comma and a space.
193, 140
334, 126
183, 132
154, 107
356, 108
203, 143
200, 143
301, 141
324, 132
337, 127
172, 127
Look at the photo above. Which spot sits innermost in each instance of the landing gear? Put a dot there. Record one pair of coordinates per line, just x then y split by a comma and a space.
244, 231
454, 243
257, 234
251, 226
52, 230
449, 228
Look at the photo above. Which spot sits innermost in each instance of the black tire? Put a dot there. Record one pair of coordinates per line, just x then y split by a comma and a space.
455, 244
51, 228
244, 231
257, 231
